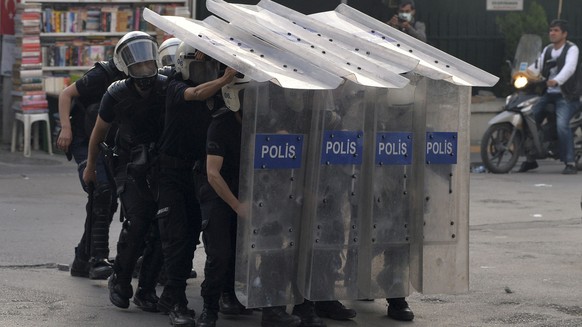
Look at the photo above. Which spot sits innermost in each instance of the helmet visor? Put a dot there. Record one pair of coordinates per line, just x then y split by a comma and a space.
143, 69
167, 59
139, 51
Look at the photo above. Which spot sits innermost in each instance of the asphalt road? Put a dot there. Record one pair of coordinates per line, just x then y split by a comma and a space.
525, 255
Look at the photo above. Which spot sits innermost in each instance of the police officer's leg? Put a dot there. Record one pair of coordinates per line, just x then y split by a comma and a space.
139, 212
101, 217
229, 304
152, 263
80, 266
219, 251
179, 226
100, 268
331, 259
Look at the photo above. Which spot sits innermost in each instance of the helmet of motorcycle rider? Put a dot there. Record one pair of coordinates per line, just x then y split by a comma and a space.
233, 93
136, 54
195, 65
167, 52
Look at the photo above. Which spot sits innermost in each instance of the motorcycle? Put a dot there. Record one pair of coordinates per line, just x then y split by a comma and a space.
514, 132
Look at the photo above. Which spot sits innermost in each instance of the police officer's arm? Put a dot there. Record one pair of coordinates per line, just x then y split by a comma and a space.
208, 89
65, 99
97, 136
213, 166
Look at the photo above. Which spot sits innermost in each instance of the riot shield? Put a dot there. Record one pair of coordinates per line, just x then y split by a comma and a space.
276, 123
391, 181
441, 130
330, 233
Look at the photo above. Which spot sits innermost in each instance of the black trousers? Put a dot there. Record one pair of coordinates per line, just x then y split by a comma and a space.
219, 238
104, 204
139, 229
179, 221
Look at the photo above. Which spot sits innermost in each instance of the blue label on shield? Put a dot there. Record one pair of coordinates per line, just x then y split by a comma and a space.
441, 148
278, 151
393, 148
342, 147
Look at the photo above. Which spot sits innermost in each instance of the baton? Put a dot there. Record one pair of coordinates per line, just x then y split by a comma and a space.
89, 223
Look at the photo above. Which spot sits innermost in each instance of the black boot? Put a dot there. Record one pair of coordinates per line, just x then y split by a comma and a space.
147, 300
278, 317
119, 294
100, 269
80, 266
230, 305
306, 311
398, 309
207, 318
169, 298
527, 165
334, 310
180, 315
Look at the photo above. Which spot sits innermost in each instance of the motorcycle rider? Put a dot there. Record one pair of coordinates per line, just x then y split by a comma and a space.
558, 63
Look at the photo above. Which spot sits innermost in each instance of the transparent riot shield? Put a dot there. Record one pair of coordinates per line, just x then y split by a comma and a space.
330, 233
441, 132
391, 185
276, 123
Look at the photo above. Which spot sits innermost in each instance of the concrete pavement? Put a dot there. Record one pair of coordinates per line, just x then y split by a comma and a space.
525, 257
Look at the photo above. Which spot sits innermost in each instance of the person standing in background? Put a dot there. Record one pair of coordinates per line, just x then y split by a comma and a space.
406, 22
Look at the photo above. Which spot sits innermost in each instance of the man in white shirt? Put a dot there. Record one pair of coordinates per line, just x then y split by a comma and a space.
558, 66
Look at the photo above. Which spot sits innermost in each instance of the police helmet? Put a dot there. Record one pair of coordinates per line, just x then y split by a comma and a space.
194, 65
233, 93
136, 54
167, 52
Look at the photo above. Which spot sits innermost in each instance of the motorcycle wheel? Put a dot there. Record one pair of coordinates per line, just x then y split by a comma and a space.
497, 153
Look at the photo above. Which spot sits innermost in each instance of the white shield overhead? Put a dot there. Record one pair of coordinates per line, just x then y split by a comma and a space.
310, 43
434, 63
247, 54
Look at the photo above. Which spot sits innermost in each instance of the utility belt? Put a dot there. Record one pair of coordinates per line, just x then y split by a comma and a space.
171, 162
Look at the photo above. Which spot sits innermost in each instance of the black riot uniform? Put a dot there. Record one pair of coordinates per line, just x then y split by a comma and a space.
181, 145
219, 234
90, 259
140, 122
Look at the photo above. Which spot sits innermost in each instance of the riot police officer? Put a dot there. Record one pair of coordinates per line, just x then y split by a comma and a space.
221, 206
78, 104
181, 145
136, 105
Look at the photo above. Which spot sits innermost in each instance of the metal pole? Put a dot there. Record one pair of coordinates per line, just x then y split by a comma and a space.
560, 9
193, 6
